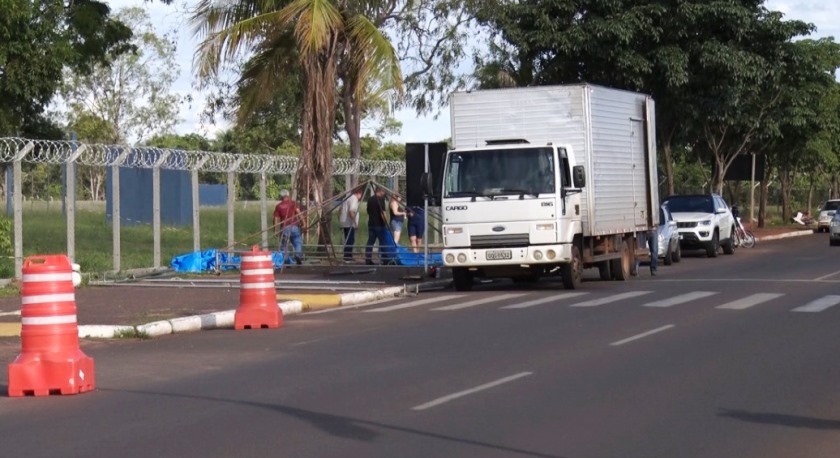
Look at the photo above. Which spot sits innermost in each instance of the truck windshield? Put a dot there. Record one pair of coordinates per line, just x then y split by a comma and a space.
492, 172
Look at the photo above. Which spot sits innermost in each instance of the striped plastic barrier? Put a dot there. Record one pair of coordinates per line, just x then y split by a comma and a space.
257, 297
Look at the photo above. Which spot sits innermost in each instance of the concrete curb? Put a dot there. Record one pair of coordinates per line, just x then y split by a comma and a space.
225, 319
785, 235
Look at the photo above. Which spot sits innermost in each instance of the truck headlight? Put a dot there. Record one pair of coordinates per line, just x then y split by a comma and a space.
545, 227
454, 230
551, 254
538, 255
462, 258
450, 258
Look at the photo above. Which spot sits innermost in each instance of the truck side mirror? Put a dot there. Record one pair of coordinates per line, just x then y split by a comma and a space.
578, 176
427, 183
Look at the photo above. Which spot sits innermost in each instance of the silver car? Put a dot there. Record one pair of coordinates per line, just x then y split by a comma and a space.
826, 212
834, 230
669, 237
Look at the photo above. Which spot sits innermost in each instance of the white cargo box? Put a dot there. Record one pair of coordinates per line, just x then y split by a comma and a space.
611, 132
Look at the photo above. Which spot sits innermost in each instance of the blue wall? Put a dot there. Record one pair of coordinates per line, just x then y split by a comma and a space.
136, 196
212, 195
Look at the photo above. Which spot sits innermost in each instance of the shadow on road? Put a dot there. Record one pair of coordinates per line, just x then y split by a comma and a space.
793, 421
337, 425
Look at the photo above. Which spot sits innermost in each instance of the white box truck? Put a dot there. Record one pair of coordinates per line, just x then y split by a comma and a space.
548, 180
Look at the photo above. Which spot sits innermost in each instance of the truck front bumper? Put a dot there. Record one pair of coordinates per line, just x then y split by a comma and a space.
490, 257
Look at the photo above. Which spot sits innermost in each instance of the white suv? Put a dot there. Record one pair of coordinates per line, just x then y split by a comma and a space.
704, 221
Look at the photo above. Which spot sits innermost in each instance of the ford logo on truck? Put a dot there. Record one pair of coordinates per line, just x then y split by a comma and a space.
455, 208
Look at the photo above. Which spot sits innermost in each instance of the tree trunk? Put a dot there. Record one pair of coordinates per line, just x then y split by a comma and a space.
785, 179
668, 160
353, 127
762, 202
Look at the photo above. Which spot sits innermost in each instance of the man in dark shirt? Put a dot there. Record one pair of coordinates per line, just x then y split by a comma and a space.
377, 225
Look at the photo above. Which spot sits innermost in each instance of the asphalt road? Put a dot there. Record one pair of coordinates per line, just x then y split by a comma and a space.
728, 357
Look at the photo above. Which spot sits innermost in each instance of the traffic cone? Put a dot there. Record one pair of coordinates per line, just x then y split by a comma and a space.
257, 296
50, 361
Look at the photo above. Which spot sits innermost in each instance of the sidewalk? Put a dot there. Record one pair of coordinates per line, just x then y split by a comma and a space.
165, 306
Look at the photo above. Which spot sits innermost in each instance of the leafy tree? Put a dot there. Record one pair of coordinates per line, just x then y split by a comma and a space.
132, 93
40, 38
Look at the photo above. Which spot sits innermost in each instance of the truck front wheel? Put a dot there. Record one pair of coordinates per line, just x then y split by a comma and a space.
462, 278
572, 272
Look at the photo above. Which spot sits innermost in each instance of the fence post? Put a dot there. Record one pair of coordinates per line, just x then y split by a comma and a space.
263, 211
231, 200
116, 216
70, 197
196, 219
156, 215
17, 199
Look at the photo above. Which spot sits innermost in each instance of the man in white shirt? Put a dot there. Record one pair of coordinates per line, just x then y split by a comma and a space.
348, 218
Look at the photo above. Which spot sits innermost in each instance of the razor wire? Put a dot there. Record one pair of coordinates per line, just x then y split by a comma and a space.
91, 154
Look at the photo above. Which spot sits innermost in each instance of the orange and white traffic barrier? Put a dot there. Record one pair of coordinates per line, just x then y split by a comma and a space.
50, 361
257, 297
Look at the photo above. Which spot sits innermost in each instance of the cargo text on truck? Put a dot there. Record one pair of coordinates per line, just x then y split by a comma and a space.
548, 180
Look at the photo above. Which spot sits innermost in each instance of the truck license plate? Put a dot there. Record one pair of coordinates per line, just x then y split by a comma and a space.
495, 255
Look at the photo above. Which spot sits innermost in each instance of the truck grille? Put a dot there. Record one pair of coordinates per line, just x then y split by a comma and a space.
506, 240
687, 225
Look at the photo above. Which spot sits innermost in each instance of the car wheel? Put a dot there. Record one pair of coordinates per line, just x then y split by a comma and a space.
729, 244
676, 255
668, 260
713, 246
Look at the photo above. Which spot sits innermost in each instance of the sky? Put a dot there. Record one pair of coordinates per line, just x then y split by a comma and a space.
824, 14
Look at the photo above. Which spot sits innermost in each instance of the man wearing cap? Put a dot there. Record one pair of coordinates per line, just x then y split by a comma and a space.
287, 223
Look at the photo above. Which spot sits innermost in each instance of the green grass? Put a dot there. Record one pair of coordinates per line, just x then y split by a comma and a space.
45, 232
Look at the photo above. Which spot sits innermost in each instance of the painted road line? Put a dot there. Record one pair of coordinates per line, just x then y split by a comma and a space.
642, 335
486, 300
825, 277
345, 308
819, 305
461, 394
749, 301
681, 299
416, 303
611, 299
556, 297
15, 313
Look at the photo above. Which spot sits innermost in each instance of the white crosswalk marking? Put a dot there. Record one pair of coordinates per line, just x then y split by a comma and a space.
416, 303
486, 300
610, 299
749, 301
681, 299
819, 305
542, 300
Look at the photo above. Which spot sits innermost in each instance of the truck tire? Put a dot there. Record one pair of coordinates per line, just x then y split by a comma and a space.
605, 270
462, 279
621, 267
713, 245
729, 245
572, 272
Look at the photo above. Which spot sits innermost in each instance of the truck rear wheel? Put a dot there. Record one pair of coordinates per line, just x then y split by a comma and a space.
462, 278
572, 272
605, 270
621, 266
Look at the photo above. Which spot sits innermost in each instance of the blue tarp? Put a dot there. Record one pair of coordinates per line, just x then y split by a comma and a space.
205, 261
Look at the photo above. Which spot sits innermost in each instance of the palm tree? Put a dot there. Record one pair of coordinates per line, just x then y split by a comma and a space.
327, 35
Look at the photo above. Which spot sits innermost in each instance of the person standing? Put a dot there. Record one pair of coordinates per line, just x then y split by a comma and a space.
348, 218
397, 217
416, 227
377, 225
288, 220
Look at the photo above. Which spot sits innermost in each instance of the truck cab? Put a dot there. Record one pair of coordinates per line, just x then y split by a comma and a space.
510, 209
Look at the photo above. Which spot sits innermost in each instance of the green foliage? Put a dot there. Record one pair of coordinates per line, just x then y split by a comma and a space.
40, 38
127, 98
7, 265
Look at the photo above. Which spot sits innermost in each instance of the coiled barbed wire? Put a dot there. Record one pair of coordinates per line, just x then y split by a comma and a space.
91, 154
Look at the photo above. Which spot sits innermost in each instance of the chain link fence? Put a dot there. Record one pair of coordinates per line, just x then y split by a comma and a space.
68, 155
